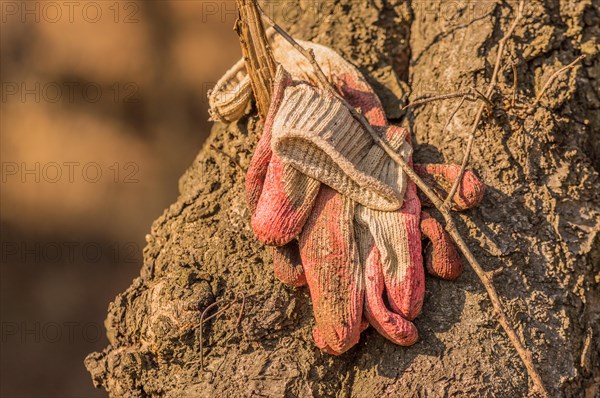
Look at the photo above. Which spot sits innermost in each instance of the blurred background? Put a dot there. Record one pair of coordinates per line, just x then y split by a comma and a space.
103, 107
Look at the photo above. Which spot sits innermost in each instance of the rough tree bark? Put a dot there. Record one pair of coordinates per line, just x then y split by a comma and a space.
539, 223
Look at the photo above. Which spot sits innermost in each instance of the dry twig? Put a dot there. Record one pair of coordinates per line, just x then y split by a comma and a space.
554, 76
222, 310
258, 57
485, 277
489, 92
462, 101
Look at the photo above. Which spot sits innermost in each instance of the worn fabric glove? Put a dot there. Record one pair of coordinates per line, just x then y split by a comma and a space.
342, 259
354, 253
390, 248
229, 100
345, 271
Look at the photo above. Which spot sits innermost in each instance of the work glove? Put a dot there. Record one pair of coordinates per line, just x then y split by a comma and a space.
340, 258
289, 202
356, 245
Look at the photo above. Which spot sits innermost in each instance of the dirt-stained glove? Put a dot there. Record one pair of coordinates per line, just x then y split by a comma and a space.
332, 262
230, 99
290, 194
354, 252
337, 269
390, 247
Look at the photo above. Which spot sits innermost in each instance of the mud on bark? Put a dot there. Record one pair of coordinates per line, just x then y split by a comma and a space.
539, 223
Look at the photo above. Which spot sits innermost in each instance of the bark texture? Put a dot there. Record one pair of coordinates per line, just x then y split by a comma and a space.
539, 222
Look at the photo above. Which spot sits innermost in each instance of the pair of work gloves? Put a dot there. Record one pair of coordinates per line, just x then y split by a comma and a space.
341, 215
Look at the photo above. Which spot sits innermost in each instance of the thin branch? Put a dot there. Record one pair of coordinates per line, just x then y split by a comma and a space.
554, 76
485, 277
203, 320
462, 101
488, 94
514, 93
258, 57
472, 95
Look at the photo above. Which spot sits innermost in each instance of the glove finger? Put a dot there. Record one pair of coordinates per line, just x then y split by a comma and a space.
287, 265
322, 345
470, 192
284, 204
229, 98
392, 326
333, 270
257, 171
398, 239
441, 257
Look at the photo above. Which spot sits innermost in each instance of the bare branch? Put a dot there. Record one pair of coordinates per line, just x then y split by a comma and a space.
258, 57
489, 92
554, 76
472, 95
462, 101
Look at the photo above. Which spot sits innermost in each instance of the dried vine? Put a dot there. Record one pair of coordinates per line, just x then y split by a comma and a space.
554, 76
488, 94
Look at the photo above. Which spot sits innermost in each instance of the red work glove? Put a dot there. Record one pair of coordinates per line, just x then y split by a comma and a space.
389, 256
332, 261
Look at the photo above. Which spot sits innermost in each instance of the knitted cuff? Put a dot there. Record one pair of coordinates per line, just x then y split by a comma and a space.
230, 96
316, 134
382, 167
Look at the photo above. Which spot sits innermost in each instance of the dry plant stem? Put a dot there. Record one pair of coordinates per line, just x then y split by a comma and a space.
203, 320
472, 95
514, 93
258, 57
484, 276
554, 76
488, 94
462, 101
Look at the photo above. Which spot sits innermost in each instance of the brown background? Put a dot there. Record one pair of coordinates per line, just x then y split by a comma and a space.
538, 222
121, 92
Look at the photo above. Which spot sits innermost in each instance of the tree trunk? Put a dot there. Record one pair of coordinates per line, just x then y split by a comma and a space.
539, 223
